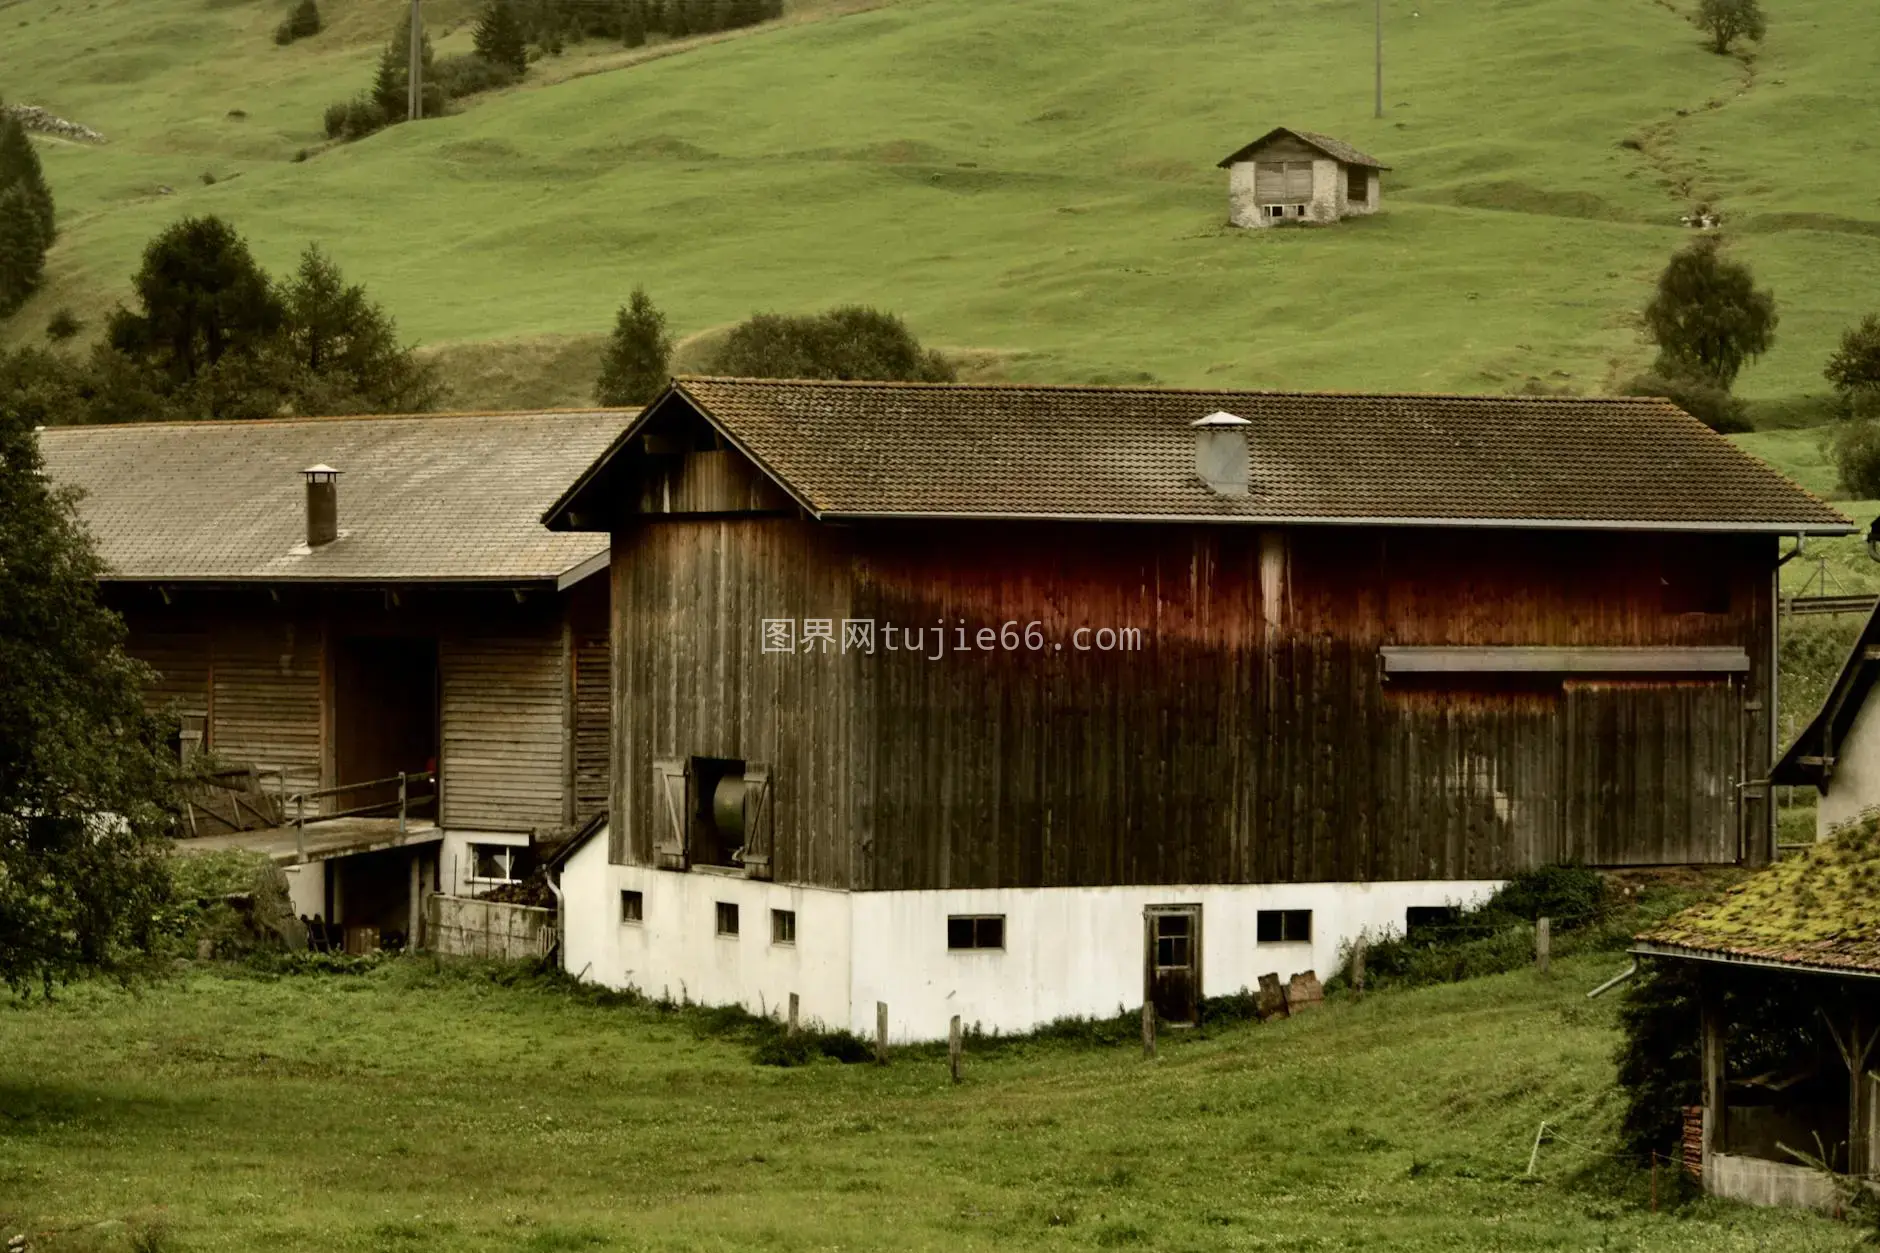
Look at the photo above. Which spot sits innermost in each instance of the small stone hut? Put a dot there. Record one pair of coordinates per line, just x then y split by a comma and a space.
1300, 176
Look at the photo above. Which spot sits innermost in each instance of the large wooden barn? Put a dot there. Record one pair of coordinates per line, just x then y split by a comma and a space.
925, 693
333, 602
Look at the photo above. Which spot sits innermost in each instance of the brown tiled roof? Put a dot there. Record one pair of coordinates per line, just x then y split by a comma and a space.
436, 497
882, 449
1817, 910
1337, 149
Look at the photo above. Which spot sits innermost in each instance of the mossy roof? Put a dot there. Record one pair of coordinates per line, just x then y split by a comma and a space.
1818, 909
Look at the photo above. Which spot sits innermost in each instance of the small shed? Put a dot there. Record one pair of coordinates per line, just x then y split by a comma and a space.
1838, 752
1300, 176
1793, 951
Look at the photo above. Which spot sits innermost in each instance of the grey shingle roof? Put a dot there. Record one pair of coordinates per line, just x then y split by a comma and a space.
1337, 149
435, 497
882, 449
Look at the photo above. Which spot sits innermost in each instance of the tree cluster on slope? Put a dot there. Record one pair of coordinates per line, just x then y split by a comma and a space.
83, 780
1854, 371
302, 23
26, 216
1709, 320
212, 336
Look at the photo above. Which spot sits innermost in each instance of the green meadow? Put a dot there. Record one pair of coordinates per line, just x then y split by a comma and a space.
405, 1110
1031, 183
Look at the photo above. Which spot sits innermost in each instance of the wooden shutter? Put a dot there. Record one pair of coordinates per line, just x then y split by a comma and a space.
672, 795
757, 820
1298, 180
1269, 180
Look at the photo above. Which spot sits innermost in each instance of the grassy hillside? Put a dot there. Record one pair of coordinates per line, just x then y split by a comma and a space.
401, 1112
1033, 179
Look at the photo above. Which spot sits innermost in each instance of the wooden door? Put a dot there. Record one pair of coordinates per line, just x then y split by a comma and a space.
1172, 962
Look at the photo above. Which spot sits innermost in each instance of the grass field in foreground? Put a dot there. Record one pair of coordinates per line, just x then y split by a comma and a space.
1032, 179
398, 1111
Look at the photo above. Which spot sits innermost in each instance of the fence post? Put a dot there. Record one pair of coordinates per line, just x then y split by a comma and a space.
791, 1028
881, 1033
1148, 1028
1357, 967
954, 1047
300, 827
401, 804
1543, 943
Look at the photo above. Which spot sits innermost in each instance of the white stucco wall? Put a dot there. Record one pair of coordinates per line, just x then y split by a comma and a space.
1327, 203
1855, 785
1069, 951
306, 887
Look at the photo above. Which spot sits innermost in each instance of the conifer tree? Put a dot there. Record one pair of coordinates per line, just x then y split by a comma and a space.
499, 37
26, 215
636, 363
633, 24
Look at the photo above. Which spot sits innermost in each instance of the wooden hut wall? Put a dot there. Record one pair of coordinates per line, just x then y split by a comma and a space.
1252, 739
266, 707
505, 698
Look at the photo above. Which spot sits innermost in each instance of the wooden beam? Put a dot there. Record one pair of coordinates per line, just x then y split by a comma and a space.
1710, 1015
1468, 659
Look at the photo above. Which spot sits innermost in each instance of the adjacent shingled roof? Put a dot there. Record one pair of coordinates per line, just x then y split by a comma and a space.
438, 497
1807, 759
1337, 149
1816, 910
898, 449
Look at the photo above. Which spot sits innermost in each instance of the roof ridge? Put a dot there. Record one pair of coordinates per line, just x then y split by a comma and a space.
301, 419
1127, 389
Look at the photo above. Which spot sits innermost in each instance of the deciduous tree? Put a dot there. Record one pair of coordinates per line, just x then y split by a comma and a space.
1727, 21
1707, 317
83, 784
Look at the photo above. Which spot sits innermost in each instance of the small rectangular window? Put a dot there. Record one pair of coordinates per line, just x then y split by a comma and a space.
1283, 926
632, 906
783, 926
1276, 211
973, 931
727, 918
498, 863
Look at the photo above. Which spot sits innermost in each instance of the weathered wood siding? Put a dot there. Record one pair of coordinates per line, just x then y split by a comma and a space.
180, 658
1253, 738
593, 697
268, 695
505, 742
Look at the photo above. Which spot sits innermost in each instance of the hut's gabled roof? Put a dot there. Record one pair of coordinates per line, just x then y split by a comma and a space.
1810, 759
931, 450
1336, 149
1817, 910
430, 498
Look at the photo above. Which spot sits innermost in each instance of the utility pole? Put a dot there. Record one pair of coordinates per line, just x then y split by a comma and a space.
415, 77
1378, 113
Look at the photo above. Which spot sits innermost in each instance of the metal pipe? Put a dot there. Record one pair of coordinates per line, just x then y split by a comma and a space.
1615, 981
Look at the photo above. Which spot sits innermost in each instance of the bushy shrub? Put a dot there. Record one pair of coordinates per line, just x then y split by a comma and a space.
62, 326
467, 75
851, 342
355, 118
1857, 456
1710, 404
302, 22
1854, 369
1493, 937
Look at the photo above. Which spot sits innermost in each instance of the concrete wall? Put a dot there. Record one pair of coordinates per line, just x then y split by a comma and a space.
1854, 787
456, 874
1757, 1182
306, 887
462, 927
1069, 951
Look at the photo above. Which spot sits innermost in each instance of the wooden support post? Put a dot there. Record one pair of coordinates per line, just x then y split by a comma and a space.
1543, 943
954, 1047
1148, 1029
1710, 1017
300, 829
403, 793
1357, 967
881, 1033
790, 1028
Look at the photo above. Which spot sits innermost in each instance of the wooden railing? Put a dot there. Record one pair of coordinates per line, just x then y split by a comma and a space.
404, 779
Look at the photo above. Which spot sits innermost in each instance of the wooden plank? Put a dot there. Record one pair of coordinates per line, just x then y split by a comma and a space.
1467, 659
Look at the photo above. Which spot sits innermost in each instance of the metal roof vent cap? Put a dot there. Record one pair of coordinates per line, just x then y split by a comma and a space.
322, 505
1221, 456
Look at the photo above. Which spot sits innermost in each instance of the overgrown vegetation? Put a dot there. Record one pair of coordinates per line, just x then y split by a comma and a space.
26, 216
851, 342
1854, 371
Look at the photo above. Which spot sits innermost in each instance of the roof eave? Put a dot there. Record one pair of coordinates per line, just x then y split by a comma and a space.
557, 580
1283, 519
1650, 948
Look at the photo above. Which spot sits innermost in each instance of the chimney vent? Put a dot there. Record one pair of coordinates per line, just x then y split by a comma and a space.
1221, 457
322, 505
